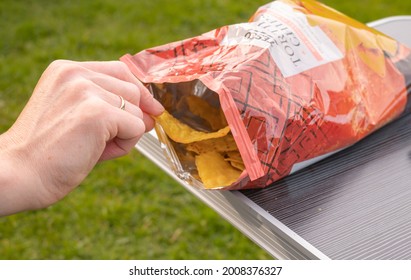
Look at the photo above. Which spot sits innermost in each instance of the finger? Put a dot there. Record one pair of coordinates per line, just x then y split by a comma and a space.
120, 71
115, 69
128, 90
126, 106
117, 148
122, 104
136, 111
149, 122
127, 126
149, 104
134, 93
114, 99
125, 131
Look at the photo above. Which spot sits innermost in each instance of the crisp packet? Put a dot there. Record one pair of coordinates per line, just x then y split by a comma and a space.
297, 82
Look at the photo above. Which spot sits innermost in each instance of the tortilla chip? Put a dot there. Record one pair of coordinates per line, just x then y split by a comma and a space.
182, 133
204, 110
221, 144
238, 165
210, 166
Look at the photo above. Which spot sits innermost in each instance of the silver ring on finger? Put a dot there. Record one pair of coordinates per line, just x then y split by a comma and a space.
123, 103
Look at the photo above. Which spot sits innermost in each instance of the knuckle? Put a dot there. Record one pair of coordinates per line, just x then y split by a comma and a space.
134, 93
93, 109
81, 85
59, 65
65, 69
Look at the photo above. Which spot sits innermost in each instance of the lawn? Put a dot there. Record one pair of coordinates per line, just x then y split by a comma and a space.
127, 208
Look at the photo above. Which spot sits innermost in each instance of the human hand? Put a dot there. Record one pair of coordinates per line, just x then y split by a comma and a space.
72, 121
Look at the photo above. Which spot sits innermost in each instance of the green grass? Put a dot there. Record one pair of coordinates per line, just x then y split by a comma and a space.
127, 208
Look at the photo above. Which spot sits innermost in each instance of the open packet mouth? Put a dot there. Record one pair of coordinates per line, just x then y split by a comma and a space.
196, 136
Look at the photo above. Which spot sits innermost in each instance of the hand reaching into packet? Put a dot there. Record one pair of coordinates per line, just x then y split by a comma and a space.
80, 113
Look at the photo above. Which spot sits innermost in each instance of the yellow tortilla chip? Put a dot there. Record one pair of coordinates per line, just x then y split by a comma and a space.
182, 133
234, 158
234, 155
214, 171
217, 159
204, 110
221, 144
238, 165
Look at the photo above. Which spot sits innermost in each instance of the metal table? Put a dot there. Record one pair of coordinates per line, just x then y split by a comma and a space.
355, 204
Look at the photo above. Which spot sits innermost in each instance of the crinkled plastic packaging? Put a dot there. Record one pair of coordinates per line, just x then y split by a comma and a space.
297, 82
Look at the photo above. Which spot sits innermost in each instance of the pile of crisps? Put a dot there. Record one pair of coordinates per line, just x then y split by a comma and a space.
217, 158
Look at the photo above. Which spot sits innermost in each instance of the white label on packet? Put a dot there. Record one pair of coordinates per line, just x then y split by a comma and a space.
294, 44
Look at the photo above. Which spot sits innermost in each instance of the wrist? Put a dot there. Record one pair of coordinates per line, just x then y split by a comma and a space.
18, 182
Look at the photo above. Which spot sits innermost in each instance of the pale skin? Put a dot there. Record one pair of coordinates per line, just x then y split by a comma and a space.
72, 121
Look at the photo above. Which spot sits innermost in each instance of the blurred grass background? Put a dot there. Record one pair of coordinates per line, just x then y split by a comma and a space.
127, 208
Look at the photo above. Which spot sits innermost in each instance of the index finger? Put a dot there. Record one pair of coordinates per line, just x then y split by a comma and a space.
119, 70
113, 68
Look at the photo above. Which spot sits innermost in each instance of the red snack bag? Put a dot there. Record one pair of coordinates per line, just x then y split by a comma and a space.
297, 82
